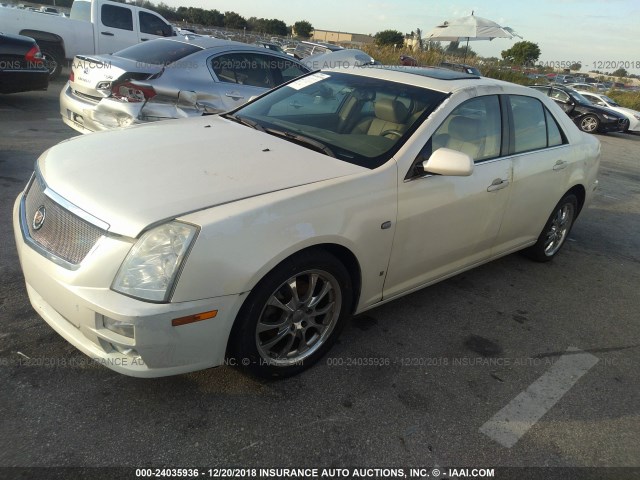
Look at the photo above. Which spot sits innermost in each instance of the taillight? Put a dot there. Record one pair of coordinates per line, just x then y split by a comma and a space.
34, 55
129, 92
72, 76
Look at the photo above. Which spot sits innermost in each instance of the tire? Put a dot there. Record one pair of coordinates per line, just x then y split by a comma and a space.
589, 124
556, 230
53, 59
284, 327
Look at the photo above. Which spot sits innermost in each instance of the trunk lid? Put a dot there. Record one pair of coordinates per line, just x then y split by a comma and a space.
93, 75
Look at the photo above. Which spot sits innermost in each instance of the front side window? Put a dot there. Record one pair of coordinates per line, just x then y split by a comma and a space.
117, 17
474, 128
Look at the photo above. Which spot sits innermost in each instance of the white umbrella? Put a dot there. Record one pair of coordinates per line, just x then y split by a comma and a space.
469, 28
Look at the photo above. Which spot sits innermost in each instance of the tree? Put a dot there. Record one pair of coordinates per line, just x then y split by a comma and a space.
389, 37
455, 49
522, 53
576, 66
303, 29
234, 20
621, 72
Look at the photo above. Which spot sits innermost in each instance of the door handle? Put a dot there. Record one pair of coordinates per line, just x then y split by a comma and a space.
108, 34
234, 95
498, 184
144, 39
560, 164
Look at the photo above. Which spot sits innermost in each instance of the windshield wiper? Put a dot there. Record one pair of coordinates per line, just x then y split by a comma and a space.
243, 121
301, 139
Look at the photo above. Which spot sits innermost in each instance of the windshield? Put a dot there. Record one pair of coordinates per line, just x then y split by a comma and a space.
357, 119
158, 52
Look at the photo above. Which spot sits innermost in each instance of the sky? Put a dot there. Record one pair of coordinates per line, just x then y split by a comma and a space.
601, 34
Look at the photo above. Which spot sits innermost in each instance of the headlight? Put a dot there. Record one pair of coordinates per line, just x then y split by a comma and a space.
150, 269
637, 116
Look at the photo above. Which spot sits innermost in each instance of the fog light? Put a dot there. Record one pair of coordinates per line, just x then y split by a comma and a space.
121, 328
124, 350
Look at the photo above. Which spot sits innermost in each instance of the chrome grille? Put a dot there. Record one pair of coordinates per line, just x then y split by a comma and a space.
62, 233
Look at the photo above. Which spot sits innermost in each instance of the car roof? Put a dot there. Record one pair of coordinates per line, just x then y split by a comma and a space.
208, 43
439, 79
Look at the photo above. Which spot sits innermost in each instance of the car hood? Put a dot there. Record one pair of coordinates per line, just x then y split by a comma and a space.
136, 177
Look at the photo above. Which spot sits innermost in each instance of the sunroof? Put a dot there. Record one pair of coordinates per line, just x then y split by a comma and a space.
439, 73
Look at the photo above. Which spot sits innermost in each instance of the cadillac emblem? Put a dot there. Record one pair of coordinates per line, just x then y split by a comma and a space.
38, 218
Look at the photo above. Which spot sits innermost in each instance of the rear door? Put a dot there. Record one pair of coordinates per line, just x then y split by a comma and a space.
117, 27
542, 160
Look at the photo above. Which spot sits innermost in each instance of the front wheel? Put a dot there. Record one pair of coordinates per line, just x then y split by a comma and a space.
556, 230
293, 316
589, 124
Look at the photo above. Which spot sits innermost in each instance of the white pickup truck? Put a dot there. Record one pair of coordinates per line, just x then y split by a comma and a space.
96, 26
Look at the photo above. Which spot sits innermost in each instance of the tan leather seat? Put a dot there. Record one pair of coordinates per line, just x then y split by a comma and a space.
465, 134
389, 115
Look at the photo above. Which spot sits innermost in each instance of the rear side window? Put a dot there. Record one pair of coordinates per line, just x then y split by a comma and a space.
255, 70
117, 17
243, 69
158, 52
534, 126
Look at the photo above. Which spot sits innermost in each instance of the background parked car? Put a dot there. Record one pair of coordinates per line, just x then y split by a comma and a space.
602, 100
588, 117
169, 78
21, 65
460, 67
306, 49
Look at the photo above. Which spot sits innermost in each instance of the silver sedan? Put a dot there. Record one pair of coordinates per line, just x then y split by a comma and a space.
169, 78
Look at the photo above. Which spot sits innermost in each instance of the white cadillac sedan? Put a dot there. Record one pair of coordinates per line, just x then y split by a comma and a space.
254, 235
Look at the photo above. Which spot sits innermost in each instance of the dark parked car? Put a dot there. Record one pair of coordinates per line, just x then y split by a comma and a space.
588, 117
21, 65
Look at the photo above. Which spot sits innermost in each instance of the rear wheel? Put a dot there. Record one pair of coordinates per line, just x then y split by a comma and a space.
589, 124
53, 59
293, 316
556, 230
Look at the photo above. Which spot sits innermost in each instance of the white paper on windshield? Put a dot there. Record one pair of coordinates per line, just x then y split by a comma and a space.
306, 81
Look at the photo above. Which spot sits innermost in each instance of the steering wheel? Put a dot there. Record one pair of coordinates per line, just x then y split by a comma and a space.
391, 132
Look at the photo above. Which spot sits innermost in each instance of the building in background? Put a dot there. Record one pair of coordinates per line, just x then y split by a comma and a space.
342, 38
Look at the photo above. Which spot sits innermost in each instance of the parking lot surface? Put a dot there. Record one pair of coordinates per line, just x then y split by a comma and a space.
431, 379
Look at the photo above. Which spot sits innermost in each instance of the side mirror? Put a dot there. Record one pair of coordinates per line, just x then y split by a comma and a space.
445, 161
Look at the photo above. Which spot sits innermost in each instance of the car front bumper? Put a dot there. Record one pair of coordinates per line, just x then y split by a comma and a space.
75, 303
